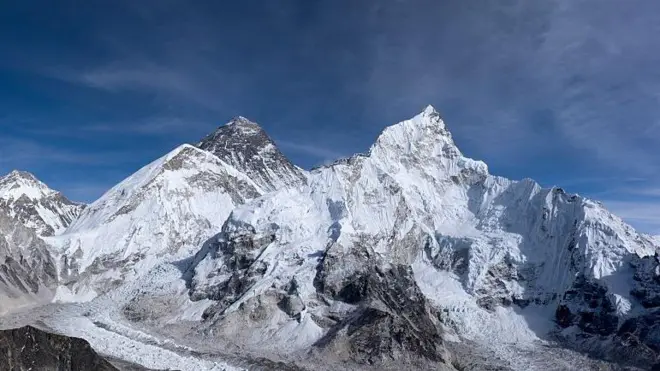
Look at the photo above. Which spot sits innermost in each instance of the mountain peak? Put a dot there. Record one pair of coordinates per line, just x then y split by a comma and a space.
19, 183
242, 121
424, 134
429, 110
245, 145
30, 201
21, 174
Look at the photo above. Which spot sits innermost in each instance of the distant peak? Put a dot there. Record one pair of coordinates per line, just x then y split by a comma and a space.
429, 110
22, 183
427, 122
429, 116
242, 121
248, 148
240, 125
20, 174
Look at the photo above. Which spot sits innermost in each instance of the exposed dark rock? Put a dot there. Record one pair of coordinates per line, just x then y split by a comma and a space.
246, 146
392, 320
588, 305
647, 281
28, 348
291, 305
238, 249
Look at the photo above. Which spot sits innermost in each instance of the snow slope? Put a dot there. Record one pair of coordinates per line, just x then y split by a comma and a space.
162, 213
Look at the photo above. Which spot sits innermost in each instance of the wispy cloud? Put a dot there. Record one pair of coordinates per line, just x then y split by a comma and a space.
174, 84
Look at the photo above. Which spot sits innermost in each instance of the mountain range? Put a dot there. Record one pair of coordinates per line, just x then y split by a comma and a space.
224, 255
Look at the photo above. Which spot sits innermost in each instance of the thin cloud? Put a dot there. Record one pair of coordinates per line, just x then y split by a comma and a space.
175, 83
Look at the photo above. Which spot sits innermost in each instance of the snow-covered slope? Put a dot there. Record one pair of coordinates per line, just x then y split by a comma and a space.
497, 257
246, 146
163, 212
38, 207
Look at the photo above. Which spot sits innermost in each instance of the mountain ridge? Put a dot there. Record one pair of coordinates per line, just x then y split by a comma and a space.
359, 262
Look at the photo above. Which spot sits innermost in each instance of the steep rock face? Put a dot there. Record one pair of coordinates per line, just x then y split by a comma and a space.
478, 244
163, 212
392, 323
35, 205
246, 146
28, 273
639, 332
28, 348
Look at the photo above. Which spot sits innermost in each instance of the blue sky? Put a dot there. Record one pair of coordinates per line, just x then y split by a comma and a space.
565, 92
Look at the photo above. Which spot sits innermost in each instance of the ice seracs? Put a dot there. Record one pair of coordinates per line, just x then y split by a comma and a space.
38, 207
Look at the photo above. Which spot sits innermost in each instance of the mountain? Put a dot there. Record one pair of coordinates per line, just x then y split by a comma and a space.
411, 256
164, 211
483, 257
38, 207
246, 146
28, 348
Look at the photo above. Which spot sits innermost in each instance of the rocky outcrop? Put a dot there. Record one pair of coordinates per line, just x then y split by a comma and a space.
646, 287
588, 305
28, 348
28, 274
236, 250
392, 323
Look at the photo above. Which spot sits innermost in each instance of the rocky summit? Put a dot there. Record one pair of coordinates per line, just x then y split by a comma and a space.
225, 255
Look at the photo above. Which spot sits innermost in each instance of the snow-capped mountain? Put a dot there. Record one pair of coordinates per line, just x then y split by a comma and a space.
164, 211
410, 256
246, 146
38, 207
415, 211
